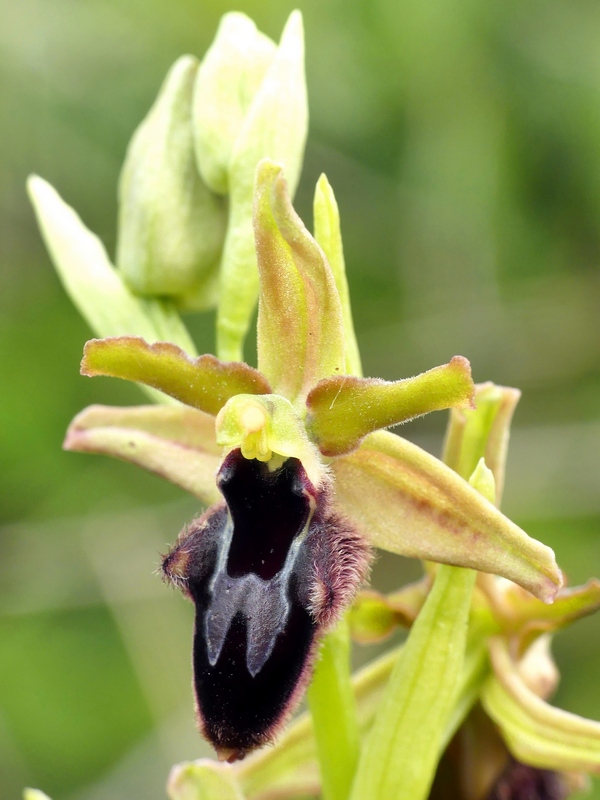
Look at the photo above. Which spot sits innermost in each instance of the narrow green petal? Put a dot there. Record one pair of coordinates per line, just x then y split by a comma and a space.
275, 127
228, 79
333, 709
329, 237
344, 409
535, 732
175, 442
482, 432
171, 226
401, 751
204, 382
203, 780
300, 330
92, 283
406, 501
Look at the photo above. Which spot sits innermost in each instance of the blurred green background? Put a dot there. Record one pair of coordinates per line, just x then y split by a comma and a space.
463, 142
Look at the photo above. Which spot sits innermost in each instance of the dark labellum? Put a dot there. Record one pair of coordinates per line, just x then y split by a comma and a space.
522, 782
267, 570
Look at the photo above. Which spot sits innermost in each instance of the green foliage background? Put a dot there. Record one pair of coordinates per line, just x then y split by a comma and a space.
463, 142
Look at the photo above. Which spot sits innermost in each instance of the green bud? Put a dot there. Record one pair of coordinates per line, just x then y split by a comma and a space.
274, 127
171, 227
228, 79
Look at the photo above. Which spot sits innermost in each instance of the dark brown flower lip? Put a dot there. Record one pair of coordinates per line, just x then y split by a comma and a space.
267, 571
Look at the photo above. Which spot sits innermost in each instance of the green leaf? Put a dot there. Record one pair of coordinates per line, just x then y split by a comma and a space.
401, 751
171, 227
203, 780
228, 78
275, 127
333, 709
300, 329
92, 283
204, 382
482, 432
343, 409
535, 732
175, 442
408, 502
329, 237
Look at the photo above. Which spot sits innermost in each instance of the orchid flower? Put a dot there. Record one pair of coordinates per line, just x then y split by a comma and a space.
306, 481
505, 740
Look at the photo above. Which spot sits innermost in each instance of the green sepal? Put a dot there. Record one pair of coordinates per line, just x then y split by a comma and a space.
94, 286
401, 751
329, 237
300, 329
203, 780
175, 442
275, 127
228, 78
534, 731
482, 432
267, 427
171, 227
408, 502
344, 409
204, 382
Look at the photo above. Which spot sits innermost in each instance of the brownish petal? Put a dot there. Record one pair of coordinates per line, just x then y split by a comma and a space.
204, 382
343, 409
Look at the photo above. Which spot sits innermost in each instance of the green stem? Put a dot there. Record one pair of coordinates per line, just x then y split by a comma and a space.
401, 751
333, 709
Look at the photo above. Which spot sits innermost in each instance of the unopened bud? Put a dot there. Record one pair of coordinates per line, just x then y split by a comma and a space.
228, 79
171, 226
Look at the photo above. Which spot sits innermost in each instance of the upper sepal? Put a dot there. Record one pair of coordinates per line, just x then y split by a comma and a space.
343, 409
204, 382
300, 329
410, 503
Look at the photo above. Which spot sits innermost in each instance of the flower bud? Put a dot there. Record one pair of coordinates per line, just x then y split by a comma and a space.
228, 79
264, 115
171, 227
